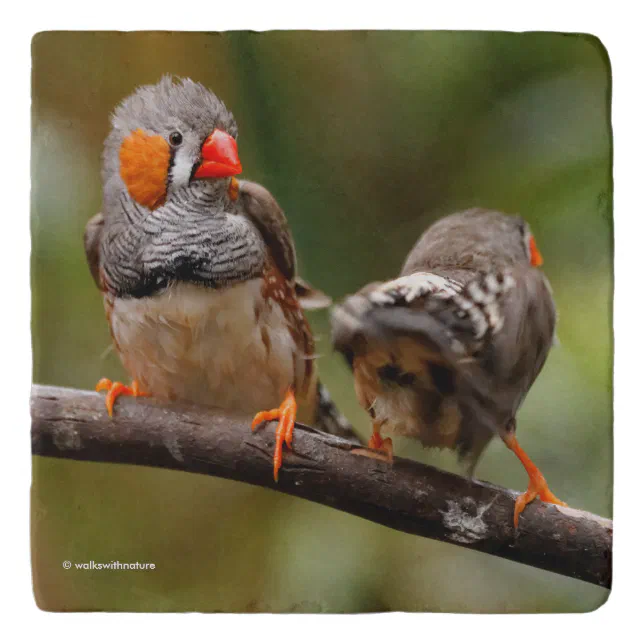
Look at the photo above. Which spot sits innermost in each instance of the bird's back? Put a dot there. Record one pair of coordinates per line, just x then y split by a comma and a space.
447, 352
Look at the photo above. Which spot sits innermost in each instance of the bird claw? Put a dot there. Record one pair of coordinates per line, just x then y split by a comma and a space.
285, 414
116, 389
379, 449
537, 487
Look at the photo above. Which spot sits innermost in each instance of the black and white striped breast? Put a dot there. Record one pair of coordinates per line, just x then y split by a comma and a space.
196, 237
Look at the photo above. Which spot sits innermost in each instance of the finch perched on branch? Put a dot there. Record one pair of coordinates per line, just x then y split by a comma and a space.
197, 269
447, 352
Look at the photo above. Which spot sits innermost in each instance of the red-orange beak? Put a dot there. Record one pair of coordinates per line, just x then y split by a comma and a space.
220, 158
536, 258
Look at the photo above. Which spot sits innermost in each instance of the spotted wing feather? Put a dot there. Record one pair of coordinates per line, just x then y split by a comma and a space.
493, 334
376, 312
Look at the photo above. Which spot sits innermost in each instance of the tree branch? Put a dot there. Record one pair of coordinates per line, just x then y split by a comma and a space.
407, 496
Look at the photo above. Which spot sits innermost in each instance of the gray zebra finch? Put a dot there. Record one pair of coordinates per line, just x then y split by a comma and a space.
198, 270
447, 352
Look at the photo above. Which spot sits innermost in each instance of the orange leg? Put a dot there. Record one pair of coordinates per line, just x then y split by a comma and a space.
384, 447
116, 389
285, 414
537, 486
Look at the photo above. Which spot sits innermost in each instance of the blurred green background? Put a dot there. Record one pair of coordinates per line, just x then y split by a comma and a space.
365, 138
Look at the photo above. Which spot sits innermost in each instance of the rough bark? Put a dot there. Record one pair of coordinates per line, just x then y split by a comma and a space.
406, 496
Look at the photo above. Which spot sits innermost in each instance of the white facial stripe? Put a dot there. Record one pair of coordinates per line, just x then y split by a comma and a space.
527, 235
181, 169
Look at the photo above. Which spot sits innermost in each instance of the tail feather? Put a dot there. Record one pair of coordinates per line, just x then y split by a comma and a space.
330, 419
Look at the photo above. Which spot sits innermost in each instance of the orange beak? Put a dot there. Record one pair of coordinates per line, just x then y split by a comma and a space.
220, 158
535, 256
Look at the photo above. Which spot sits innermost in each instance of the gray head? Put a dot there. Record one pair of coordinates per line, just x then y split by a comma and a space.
168, 213
166, 137
476, 239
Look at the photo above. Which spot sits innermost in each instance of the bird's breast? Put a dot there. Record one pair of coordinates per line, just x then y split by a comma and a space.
229, 348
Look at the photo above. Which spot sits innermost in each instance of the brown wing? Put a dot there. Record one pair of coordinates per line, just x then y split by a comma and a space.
92, 242
382, 312
493, 335
260, 205
518, 350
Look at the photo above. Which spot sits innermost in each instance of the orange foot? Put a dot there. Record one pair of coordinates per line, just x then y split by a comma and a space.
384, 447
285, 413
116, 389
537, 486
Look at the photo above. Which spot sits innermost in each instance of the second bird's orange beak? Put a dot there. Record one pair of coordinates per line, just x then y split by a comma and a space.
536, 259
220, 158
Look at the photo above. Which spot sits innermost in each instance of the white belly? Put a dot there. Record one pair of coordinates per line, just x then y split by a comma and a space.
229, 349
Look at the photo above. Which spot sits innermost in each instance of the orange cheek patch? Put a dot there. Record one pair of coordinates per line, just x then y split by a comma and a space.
145, 160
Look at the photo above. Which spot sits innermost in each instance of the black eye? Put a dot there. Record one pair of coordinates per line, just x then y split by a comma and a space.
176, 138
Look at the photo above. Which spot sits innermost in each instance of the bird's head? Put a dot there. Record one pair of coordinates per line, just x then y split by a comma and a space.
481, 239
166, 137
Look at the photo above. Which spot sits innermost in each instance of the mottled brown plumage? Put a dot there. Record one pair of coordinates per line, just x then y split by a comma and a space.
447, 352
